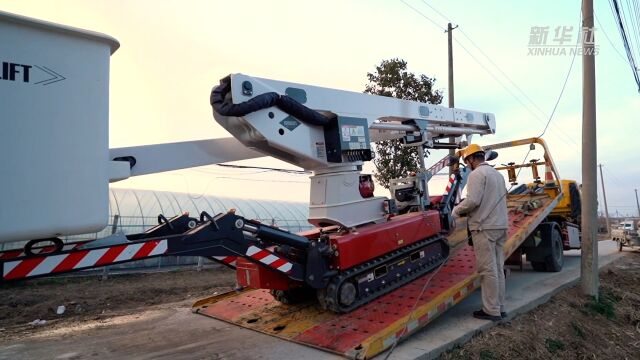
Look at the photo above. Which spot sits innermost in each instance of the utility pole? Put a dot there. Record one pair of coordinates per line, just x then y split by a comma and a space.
589, 260
606, 209
637, 203
451, 102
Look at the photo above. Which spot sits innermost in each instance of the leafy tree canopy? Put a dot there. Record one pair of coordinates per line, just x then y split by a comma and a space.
392, 79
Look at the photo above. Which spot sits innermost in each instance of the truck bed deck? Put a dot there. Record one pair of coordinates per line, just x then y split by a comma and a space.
374, 327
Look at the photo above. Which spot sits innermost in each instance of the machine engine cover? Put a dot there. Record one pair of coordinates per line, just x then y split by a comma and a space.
372, 241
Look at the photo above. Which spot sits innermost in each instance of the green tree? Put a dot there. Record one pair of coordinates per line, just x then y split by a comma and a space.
391, 78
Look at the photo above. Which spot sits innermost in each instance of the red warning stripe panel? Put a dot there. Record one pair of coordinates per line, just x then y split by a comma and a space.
270, 259
70, 261
10, 254
276, 264
227, 260
146, 249
260, 255
452, 179
56, 263
110, 255
22, 269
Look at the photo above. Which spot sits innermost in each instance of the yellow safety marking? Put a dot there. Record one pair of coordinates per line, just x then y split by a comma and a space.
215, 298
385, 338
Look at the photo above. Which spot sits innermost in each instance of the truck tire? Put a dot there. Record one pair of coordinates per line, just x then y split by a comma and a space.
549, 254
539, 265
555, 261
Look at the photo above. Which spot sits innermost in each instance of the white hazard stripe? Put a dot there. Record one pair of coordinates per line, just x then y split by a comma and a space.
252, 250
47, 265
8, 266
128, 252
269, 259
81, 259
160, 249
286, 267
91, 258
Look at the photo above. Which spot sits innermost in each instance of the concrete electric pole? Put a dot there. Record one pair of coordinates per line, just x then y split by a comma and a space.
637, 203
589, 260
606, 208
451, 102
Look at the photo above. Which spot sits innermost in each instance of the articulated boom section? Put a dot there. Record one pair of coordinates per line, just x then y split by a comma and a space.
330, 132
316, 128
344, 269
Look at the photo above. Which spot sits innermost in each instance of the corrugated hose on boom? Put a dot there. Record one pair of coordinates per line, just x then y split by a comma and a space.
223, 105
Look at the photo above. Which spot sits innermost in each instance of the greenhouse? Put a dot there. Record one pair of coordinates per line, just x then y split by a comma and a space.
139, 209
133, 211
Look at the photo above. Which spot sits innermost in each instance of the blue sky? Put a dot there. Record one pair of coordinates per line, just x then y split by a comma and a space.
173, 52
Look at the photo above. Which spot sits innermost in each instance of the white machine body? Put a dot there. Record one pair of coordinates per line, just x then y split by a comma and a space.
304, 145
335, 196
54, 96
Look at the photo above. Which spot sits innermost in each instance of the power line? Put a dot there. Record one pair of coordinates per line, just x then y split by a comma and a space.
566, 79
613, 176
634, 26
494, 65
615, 8
423, 15
535, 105
522, 91
437, 12
537, 117
609, 39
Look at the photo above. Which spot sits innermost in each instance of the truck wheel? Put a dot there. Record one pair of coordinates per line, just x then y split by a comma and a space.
539, 265
555, 261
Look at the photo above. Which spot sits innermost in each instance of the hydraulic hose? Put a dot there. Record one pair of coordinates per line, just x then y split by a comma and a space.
223, 105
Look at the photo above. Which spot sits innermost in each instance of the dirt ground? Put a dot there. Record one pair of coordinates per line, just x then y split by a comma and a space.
90, 298
570, 326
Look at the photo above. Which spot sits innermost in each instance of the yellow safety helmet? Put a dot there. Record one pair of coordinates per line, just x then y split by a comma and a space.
470, 150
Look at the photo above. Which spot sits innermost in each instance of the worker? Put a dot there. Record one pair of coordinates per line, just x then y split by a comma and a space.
486, 210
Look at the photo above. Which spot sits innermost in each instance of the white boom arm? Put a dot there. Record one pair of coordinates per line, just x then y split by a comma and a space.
324, 130
273, 132
277, 133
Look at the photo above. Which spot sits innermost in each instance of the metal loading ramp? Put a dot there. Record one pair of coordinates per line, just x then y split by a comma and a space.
374, 327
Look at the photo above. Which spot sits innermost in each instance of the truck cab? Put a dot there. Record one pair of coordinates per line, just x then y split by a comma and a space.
626, 234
